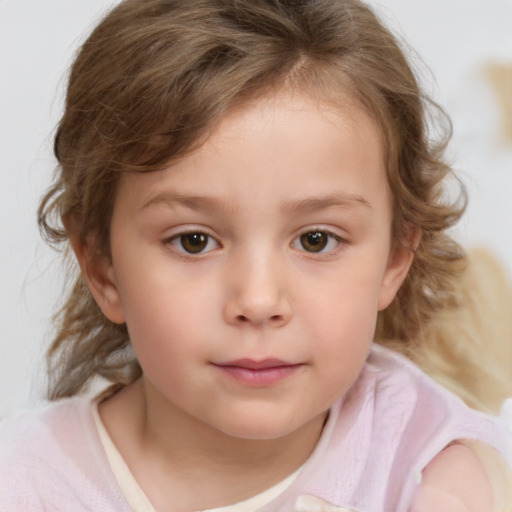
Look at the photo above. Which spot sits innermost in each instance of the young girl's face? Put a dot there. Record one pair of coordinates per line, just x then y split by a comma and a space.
250, 273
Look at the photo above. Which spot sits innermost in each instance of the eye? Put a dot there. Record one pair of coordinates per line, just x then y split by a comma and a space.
193, 243
316, 241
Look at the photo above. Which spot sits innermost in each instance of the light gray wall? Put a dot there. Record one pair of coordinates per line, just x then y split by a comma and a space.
458, 40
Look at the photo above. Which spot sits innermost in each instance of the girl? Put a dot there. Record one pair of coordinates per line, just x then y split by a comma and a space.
250, 192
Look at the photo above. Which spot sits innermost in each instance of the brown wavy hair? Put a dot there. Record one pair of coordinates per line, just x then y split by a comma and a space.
153, 80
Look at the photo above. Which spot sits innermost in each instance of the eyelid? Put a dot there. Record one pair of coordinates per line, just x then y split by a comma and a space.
341, 240
177, 234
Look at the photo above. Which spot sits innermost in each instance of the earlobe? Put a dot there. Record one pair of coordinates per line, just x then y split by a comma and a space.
99, 275
399, 263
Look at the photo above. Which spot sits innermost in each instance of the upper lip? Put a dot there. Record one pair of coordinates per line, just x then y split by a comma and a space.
253, 364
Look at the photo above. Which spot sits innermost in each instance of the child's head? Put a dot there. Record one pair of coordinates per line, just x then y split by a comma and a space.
156, 78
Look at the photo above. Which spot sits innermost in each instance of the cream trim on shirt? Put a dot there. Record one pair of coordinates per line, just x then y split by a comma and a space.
137, 499
258, 501
134, 495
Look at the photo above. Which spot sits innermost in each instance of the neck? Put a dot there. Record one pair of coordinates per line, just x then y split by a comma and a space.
169, 451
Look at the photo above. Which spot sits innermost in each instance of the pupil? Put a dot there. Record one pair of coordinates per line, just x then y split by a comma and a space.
314, 241
194, 242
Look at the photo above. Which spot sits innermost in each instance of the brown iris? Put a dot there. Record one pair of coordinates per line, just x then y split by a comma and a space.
194, 242
314, 241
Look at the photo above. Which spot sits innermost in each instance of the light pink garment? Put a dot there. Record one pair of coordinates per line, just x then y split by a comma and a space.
380, 437
52, 460
374, 446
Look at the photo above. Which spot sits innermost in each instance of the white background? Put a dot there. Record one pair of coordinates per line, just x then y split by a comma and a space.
457, 39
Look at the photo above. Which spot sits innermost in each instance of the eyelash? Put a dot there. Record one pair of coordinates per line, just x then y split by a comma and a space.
177, 241
330, 238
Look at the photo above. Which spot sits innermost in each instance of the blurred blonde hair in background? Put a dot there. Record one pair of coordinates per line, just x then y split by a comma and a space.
468, 348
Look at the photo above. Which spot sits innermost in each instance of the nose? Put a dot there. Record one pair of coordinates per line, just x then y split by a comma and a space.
258, 294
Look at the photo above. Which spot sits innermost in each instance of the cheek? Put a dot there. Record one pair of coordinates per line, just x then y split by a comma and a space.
345, 337
345, 299
166, 337
161, 311
339, 351
341, 319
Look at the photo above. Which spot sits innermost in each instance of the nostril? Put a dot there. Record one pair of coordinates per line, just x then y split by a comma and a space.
246, 319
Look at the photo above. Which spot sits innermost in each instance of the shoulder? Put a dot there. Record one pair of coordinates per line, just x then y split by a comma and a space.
403, 385
414, 418
457, 480
31, 429
47, 453
397, 383
40, 436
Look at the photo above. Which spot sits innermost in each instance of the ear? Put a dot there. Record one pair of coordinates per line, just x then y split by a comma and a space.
400, 259
99, 276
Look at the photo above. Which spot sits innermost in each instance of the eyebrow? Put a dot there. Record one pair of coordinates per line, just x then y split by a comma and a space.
173, 199
313, 204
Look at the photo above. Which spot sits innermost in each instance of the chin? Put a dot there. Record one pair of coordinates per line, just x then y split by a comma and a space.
257, 434
263, 427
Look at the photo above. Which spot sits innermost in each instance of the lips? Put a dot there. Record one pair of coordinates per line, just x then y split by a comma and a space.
251, 364
257, 373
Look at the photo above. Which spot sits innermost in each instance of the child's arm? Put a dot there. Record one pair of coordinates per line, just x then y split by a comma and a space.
455, 481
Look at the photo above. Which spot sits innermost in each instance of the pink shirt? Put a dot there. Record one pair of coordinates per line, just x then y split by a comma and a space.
375, 444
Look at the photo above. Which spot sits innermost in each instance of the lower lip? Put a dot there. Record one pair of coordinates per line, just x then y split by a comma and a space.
262, 377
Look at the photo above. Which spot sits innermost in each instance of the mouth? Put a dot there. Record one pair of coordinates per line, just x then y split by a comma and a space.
255, 373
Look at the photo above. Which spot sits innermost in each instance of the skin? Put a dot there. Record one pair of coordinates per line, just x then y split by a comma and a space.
456, 480
272, 172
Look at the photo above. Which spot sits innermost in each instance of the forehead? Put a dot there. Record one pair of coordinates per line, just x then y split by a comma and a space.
286, 145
